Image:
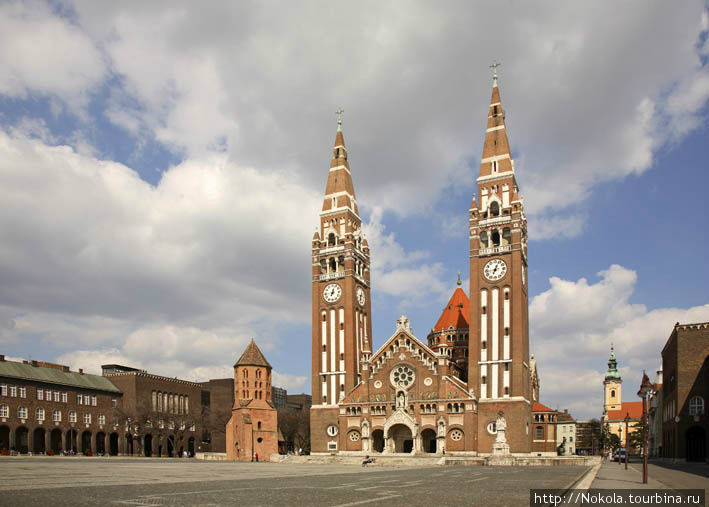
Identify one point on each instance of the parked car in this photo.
(620, 456)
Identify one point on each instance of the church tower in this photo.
(498, 362)
(342, 325)
(612, 386)
(252, 430)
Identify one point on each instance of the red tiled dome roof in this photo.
(455, 313)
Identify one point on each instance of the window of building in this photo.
(72, 416)
(23, 392)
(87, 418)
(57, 416)
(79, 399)
(484, 380)
(93, 401)
(87, 399)
(13, 391)
(64, 397)
(539, 433)
(48, 395)
(40, 394)
(161, 424)
(192, 427)
(101, 419)
(696, 405)
(155, 401)
(22, 412)
(3, 389)
(4, 411)
(56, 396)
(40, 414)
(114, 402)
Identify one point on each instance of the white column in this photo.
(483, 387)
(483, 339)
(332, 347)
(358, 345)
(323, 366)
(494, 374)
(342, 338)
(506, 323)
(495, 318)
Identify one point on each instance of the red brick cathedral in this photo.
(409, 396)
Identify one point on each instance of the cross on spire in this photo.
(339, 118)
(494, 66)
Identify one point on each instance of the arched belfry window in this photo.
(494, 209)
(506, 236)
(484, 239)
(495, 238)
(331, 239)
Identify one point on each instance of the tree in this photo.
(295, 428)
(635, 437)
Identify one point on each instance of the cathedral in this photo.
(471, 377)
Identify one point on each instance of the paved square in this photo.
(61, 481)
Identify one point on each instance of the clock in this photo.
(495, 269)
(332, 293)
(360, 296)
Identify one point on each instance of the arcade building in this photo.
(446, 393)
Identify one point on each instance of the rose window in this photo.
(402, 376)
(456, 435)
(354, 436)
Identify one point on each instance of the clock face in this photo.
(332, 293)
(360, 296)
(495, 269)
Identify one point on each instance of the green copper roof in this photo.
(13, 369)
(612, 372)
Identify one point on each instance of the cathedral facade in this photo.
(449, 393)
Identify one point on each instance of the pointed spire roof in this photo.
(496, 156)
(455, 313)
(252, 356)
(612, 373)
(339, 181)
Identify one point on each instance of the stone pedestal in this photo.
(500, 449)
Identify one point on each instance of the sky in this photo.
(163, 164)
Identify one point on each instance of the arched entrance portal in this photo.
(55, 441)
(129, 444)
(401, 438)
(4, 438)
(378, 440)
(696, 439)
(38, 441)
(428, 438)
(190, 447)
(100, 443)
(71, 441)
(21, 435)
(148, 446)
(86, 442)
(171, 446)
(113, 444)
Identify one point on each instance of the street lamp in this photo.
(627, 449)
(645, 387)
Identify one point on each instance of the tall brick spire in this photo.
(496, 157)
(339, 192)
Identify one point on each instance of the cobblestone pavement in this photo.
(142, 482)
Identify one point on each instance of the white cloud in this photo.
(573, 324)
(41, 52)
(545, 227)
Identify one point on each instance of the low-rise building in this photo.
(685, 391)
(544, 421)
(160, 416)
(566, 434)
(47, 408)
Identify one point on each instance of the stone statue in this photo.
(500, 448)
(501, 428)
(400, 400)
(365, 429)
(441, 429)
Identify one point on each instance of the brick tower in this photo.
(450, 334)
(342, 326)
(498, 367)
(253, 427)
